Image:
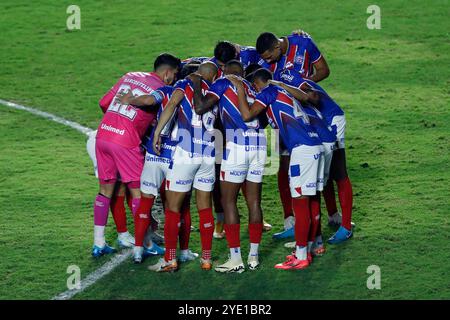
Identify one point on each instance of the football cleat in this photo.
(137, 254)
(188, 256)
(154, 250)
(266, 226)
(292, 263)
(231, 266)
(288, 233)
(219, 233)
(205, 264)
(100, 251)
(340, 236)
(125, 240)
(164, 266)
(253, 262)
(318, 250)
(335, 220)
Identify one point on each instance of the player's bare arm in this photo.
(176, 98)
(202, 103)
(141, 101)
(298, 94)
(321, 70)
(247, 113)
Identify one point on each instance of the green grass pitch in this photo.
(393, 84)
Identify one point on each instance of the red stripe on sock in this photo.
(185, 227)
(314, 206)
(232, 233)
(330, 198)
(171, 229)
(302, 220)
(255, 232)
(206, 231)
(142, 220)
(118, 212)
(345, 193)
(285, 192)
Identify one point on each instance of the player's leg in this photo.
(303, 185)
(285, 196)
(255, 221)
(185, 231)
(107, 172)
(314, 201)
(340, 175)
(253, 183)
(345, 194)
(179, 180)
(233, 172)
(230, 192)
(204, 184)
(124, 238)
(218, 208)
(150, 181)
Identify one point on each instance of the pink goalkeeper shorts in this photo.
(114, 159)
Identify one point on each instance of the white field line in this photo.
(96, 275)
(74, 125)
(118, 258)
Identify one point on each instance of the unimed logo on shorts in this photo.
(184, 182)
(206, 180)
(149, 184)
(238, 173)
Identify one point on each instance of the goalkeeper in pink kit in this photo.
(119, 137)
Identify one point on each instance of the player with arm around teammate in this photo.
(287, 115)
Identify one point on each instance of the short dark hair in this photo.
(235, 63)
(266, 41)
(225, 51)
(262, 74)
(166, 59)
(187, 70)
(250, 70)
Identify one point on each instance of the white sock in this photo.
(300, 253)
(254, 249)
(99, 236)
(310, 244)
(184, 252)
(138, 249)
(319, 240)
(124, 234)
(235, 253)
(289, 222)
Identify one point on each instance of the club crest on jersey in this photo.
(299, 59)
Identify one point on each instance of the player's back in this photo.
(319, 124)
(193, 130)
(327, 106)
(236, 130)
(287, 115)
(126, 124)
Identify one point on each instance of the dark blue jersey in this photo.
(286, 114)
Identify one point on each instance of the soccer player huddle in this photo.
(196, 128)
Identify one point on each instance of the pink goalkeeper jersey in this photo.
(124, 124)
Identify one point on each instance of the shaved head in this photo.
(208, 70)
